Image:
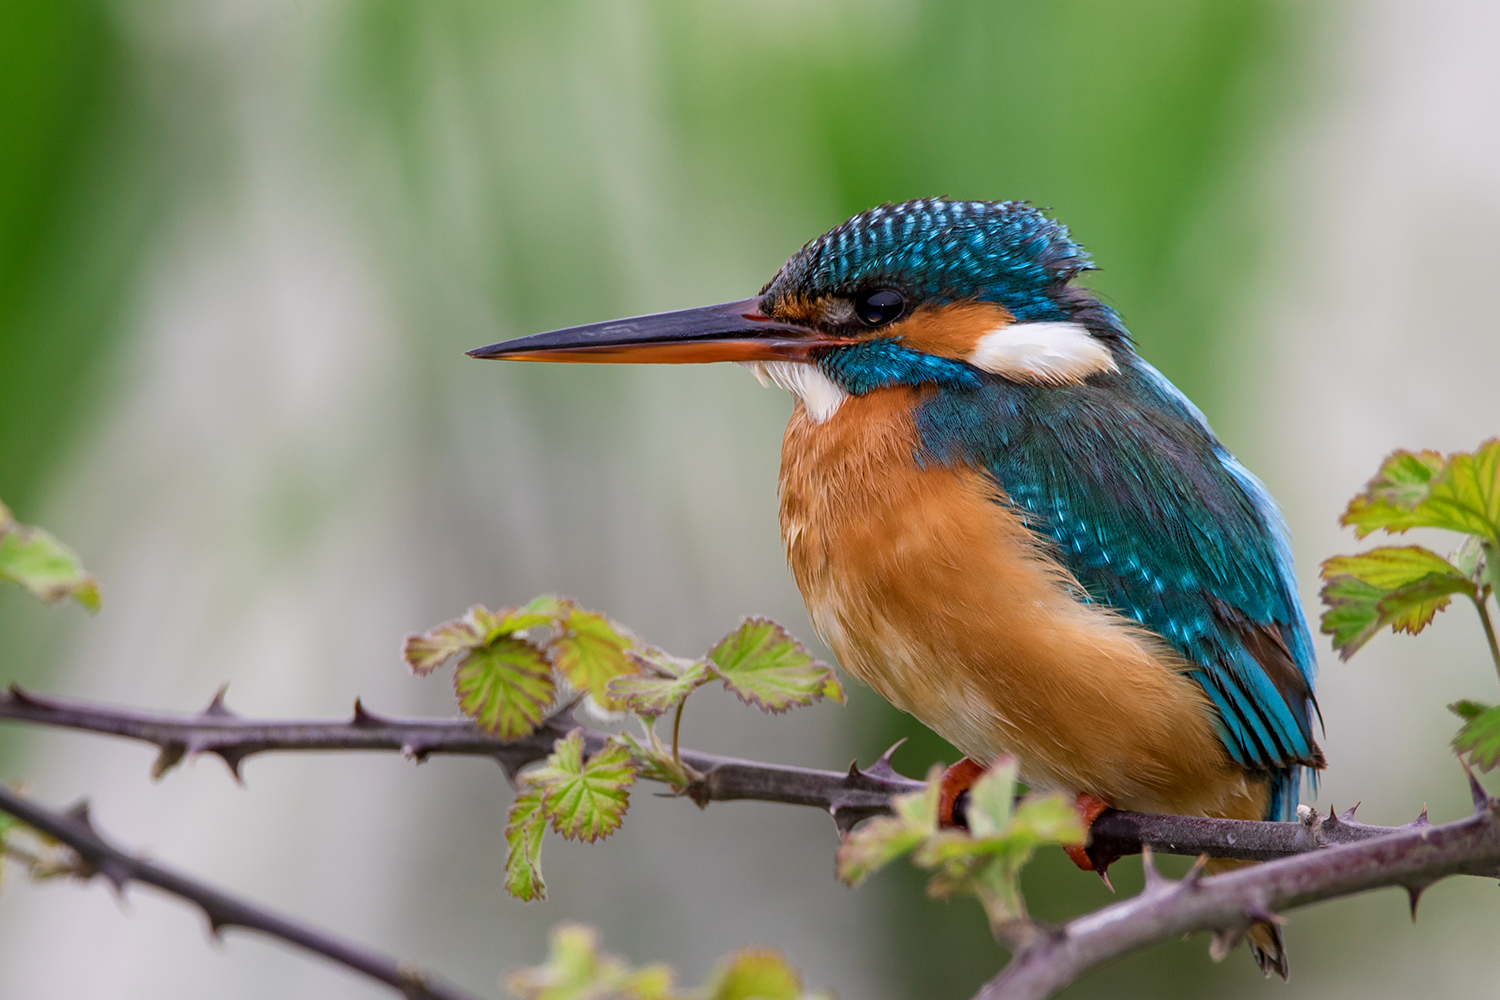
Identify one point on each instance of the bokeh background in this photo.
(243, 244)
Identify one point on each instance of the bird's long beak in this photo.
(732, 331)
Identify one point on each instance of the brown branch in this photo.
(1414, 857)
(98, 856)
(849, 796)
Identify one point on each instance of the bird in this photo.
(1008, 523)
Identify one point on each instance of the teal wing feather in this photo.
(1156, 519)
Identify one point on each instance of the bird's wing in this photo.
(1154, 518)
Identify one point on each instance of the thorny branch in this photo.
(98, 856)
(1298, 871)
(1414, 857)
(849, 796)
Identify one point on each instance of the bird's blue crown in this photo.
(938, 251)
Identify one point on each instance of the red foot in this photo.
(1089, 807)
(955, 782)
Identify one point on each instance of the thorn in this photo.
(1421, 819)
(1349, 815)
(1333, 816)
(1414, 895)
(1259, 912)
(216, 708)
(21, 696)
(216, 925)
(366, 719)
(882, 768)
(415, 751)
(115, 874)
(1476, 790)
(1195, 874)
(1155, 882)
(854, 772)
(232, 758)
(171, 755)
(78, 812)
(509, 765)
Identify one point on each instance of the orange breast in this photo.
(935, 594)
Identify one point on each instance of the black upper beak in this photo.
(731, 331)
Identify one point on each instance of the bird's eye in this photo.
(879, 307)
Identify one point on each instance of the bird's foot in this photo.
(1089, 807)
(953, 793)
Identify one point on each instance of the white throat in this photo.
(820, 397)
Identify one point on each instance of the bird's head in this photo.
(926, 291)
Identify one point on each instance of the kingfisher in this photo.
(1010, 524)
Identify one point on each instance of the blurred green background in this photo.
(243, 245)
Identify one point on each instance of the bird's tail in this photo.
(1264, 937)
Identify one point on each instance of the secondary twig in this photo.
(99, 857)
(1413, 857)
(849, 796)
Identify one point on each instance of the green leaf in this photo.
(1426, 490)
(590, 652)
(659, 684)
(754, 974)
(765, 667)
(577, 970)
(1391, 566)
(1480, 736)
(505, 686)
(1403, 587)
(585, 800)
(523, 841)
(879, 841)
(477, 627)
(1392, 498)
(1468, 710)
(35, 559)
(992, 798)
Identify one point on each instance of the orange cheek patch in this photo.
(950, 331)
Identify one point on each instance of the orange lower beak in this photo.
(732, 331)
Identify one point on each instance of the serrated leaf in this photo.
(425, 652)
(1359, 604)
(585, 800)
(1468, 710)
(754, 974)
(992, 798)
(1460, 492)
(1390, 566)
(1480, 738)
(766, 667)
(590, 652)
(506, 687)
(523, 841)
(659, 684)
(35, 559)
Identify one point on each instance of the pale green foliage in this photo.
(577, 970)
(523, 842)
(1406, 586)
(1480, 735)
(507, 679)
(36, 560)
(986, 860)
(660, 682)
(584, 799)
(765, 667)
(505, 686)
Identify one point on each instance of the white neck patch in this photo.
(1053, 353)
(820, 397)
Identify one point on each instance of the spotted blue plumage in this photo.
(1120, 475)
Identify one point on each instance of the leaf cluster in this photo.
(576, 969)
(512, 664)
(985, 860)
(35, 559)
(1404, 587)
